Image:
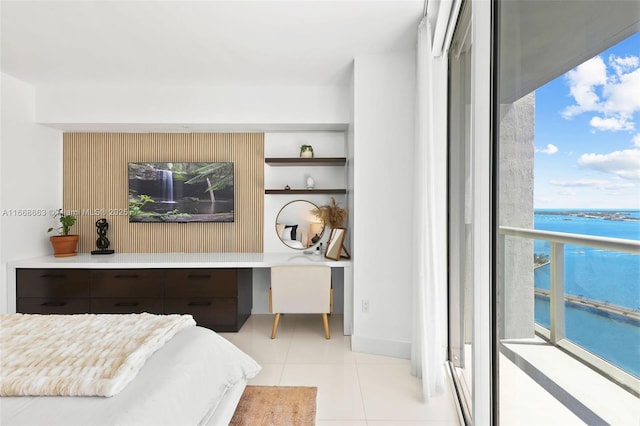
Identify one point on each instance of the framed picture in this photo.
(335, 246)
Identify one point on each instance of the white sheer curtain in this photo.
(429, 336)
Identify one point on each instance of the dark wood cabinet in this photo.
(53, 305)
(53, 291)
(202, 283)
(127, 283)
(219, 299)
(129, 305)
(203, 292)
(59, 283)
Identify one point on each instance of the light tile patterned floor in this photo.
(525, 402)
(354, 389)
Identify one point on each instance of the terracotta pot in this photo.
(64, 245)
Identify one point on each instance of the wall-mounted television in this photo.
(181, 192)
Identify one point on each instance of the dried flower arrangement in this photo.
(332, 214)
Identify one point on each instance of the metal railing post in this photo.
(556, 333)
(556, 297)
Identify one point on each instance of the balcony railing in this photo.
(557, 297)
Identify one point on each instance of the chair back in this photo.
(301, 289)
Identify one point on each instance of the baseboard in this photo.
(370, 345)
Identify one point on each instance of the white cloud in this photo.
(566, 193)
(612, 90)
(623, 94)
(582, 82)
(636, 140)
(620, 65)
(618, 186)
(625, 164)
(592, 183)
(550, 149)
(578, 182)
(611, 123)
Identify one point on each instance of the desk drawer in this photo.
(58, 283)
(127, 283)
(33, 305)
(127, 306)
(189, 283)
(207, 312)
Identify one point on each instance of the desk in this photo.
(185, 260)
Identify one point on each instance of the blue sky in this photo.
(587, 133)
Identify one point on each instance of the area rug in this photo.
(277, 406)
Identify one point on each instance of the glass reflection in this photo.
(297, 226)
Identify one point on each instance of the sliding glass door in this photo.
(460, 213)
(567, 291)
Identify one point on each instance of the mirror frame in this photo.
(335, 245)
(324, 226)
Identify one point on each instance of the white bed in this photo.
(196, 378)
(293, 235)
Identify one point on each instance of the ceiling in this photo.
(542, 39)
(199, 43)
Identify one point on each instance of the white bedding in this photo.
(293, 243)
(181, 384)
(79, 355)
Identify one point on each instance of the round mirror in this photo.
(297, 226)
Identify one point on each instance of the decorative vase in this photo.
(306, 151)
(310, 182)
(64, 245)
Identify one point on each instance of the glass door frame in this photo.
(459, 219)
(485, 355)
(483, 215)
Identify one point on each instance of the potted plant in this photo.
(306, 151)
(64, 244)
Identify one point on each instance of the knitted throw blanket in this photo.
(90, 355)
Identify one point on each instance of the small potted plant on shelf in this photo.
(306, 151)
(64, 244)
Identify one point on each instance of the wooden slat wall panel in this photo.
(95, 178)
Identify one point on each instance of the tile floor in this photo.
(354, 389)
(525, 402)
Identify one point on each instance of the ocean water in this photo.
(610, 277)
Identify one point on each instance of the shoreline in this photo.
(621, 311)
(614, 215)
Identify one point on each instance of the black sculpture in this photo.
(102, 242)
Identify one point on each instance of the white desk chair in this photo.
(301, 289)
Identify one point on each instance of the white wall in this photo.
(516, 178)
(249, 108)
(245, 106)
(379, 108)
(287, 144)
(351, 161)
(30, 179)
(384, 92)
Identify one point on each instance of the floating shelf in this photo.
(305, 191)
(316, 161)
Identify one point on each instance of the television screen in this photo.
(181, 192)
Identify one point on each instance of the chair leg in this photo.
(325, 320)
(275, 326)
